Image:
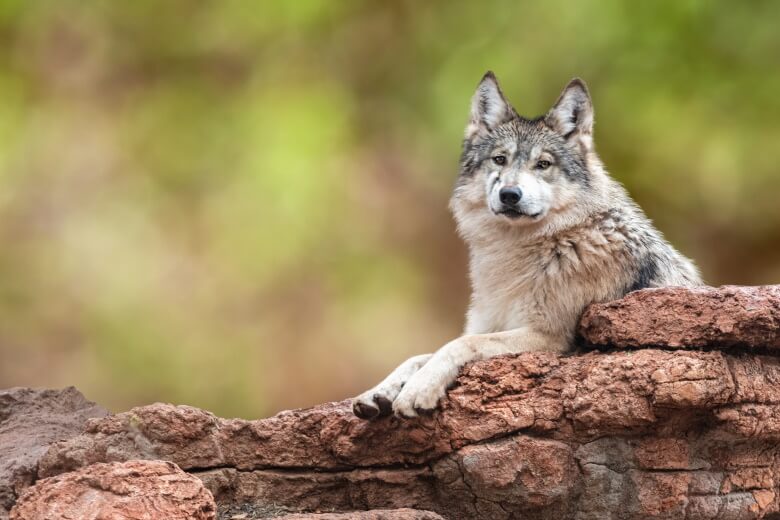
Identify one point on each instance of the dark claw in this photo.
(385, 405)
(365, 411)
(424, 411)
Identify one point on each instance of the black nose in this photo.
(510, 196)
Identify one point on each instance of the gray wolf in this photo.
(548, 232)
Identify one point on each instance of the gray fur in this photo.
(574, 237)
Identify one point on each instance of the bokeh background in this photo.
(242, 205)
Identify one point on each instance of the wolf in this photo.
(548, 232)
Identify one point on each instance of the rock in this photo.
(30, 420)
(379, 514)
(729, 316)
(133, 490)
(626, 434)
(311, 490)
(650, 433)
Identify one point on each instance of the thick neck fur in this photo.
(543, 274)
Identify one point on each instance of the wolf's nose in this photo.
(510, 196)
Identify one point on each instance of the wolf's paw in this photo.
(372, 405)
(418, 397)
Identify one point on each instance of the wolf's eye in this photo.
(499, 160)
(543, 165)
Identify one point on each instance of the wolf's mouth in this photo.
(514, 214)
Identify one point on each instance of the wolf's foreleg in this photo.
(377, 402)
(427, 385)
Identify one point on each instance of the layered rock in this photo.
(386, 514)
(622, 434)
(30, 420)
(538, 435)
(133, 490)
(377, 514)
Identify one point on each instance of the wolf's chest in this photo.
(546, 287)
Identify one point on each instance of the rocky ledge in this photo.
(729, 316)
(624, 433)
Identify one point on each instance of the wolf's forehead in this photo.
(524, 136)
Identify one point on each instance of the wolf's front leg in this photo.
(377, 402)
(424, 389)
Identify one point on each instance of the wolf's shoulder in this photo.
(646, 256)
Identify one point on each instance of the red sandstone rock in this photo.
(133, 490)
(729, 316)
(628, 434)
(383, 514)
(30, 420)
(632, 434)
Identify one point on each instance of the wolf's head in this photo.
(524, 172)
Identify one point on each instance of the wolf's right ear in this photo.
(489, 107)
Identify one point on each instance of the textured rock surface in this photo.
(380, 514)
(676, 317)
(631, 434)
(133, 490)
(248, 512)
(634, 433)
(29, 421)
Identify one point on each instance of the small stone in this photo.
(763, 497)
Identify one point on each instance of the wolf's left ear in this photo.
(489, 107)
(572, 115)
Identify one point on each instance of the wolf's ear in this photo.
(572, 115)
(489, 107)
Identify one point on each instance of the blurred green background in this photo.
(241, 205)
